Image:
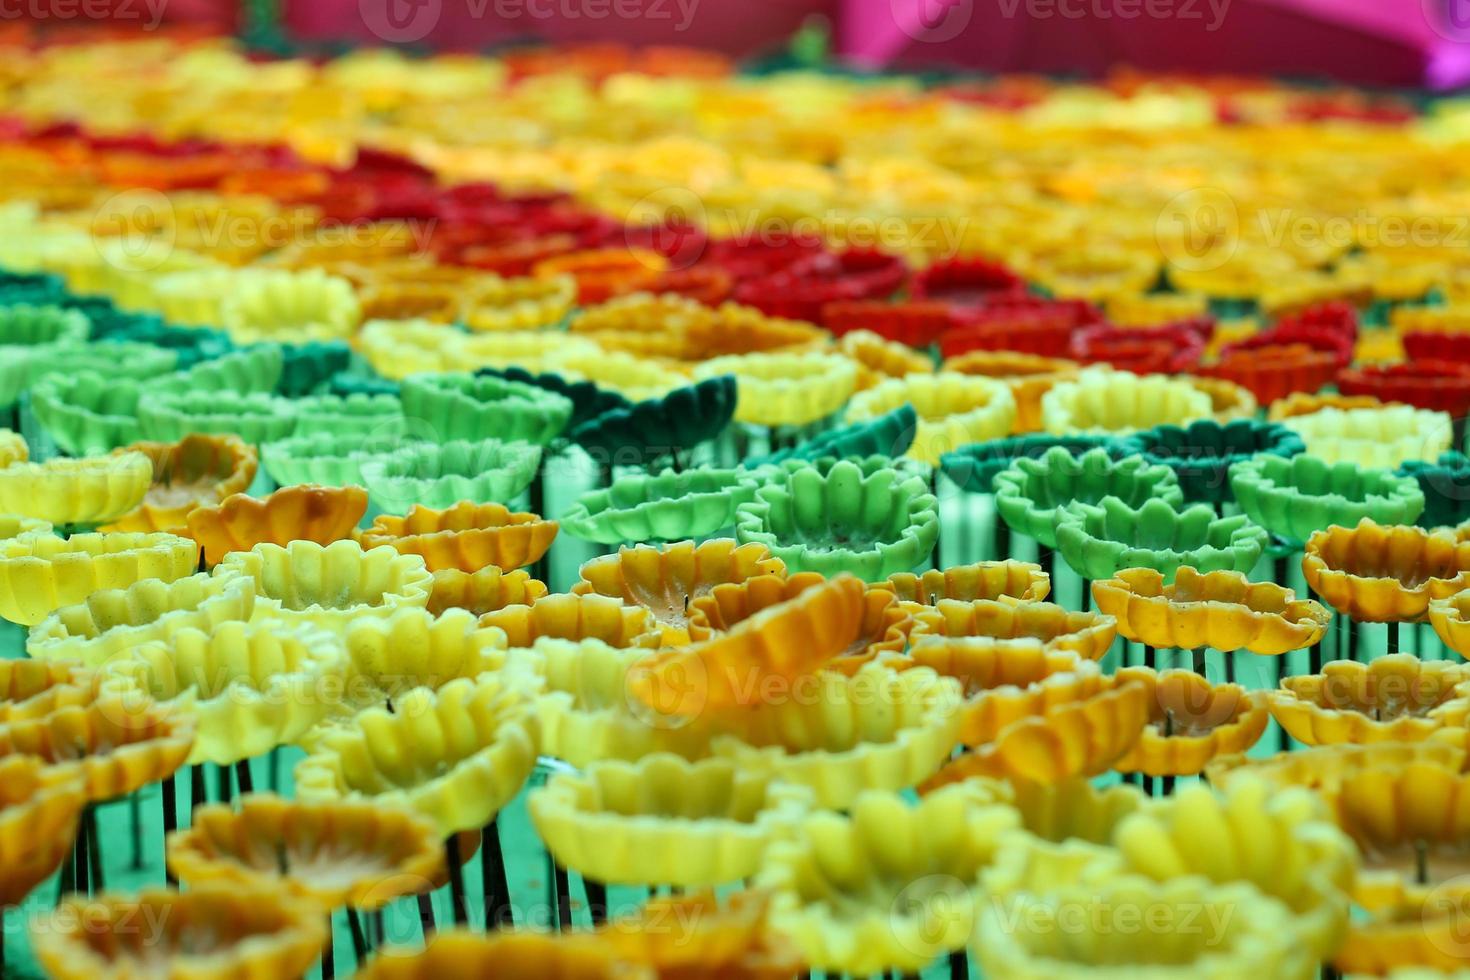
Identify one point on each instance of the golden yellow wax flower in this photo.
(297, 513)
(248, 687)
(782, 642)
(117, 744)
(1191, 721)
(466, 537)
(507, 956)
(662, 819)
(878, 358)
(330, 585)
(13, 448)
(1396, 698)
(785, 389)
(1078, 723)
(484, 591)
(41, 573)
(199, 470)
(333, 853)
(1117, 401)
(1024, 581)
(1282, 841)
(1380, 574)
(954, 410)
(888, 885)
(39, 809)
(413, 648)
(1326, 767)
(211, 930)
(667, 579)
(24, 682)
(75, 491)
(113, 621)
(1029, 376)
(456, 755)
(1450, 617)
(985, 622)
(1222, 609)
(576, 617)
(732, 939)
(840, 734)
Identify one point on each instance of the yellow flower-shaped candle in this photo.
(954, 410)
(1381, 574)
(1396, 698)
(75, 491)
(41, 573)
(330, 585)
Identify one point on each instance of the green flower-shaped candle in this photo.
(330, 459)
(360, 415)
(1100, 540)
(470, 407)
(1294, 498)
(1446, 487)
(889, 434)
(169, 416)
(1030, 493)
(109, 359)
(671, 506)
(1201, 453)
(252, 370)
(660, 427)
(440, 475)
(973, 468)
(86, 413)
(588, 400)
(844, 521)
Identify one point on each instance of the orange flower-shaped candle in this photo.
(783, 641)
(39, 809)
(987, 622)
(23, 682)
(1030, 376)
(576, 617)
(731, 940)
(885, 626)
(208, 931)
(484, 591)
(508, 956)
(1222, 609)
(197, 471)
(1191, 721)
(1450, 618)
(117, 744)
(1023, 581)
(1396, 698)
(667, 580)
(1381, 574)
(299, 513)
(466, 537)
(333, 853)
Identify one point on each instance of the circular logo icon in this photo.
(1198, 230)
(670, 221)
(667, 695)
(1445, 917)
(932, 21)
(135, 230)
(400, 21)
(929, 913)
(1450, 19)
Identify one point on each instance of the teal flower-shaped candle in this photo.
(588, 400)
(86, 413)
(326, 458)
(248, 371)
(469, 407)
(190, 345)
(1294, 498)
(361, 415)
(844, 521)
(348, 383)
(1202, 452)
(973, 468)
(1100, 540)
(169, 416)
(304, 367)
(108, 358)
(440, 475)
(661, 427)
(1030, 493)
(1446, 487)
(671, 506)
(890, 434)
